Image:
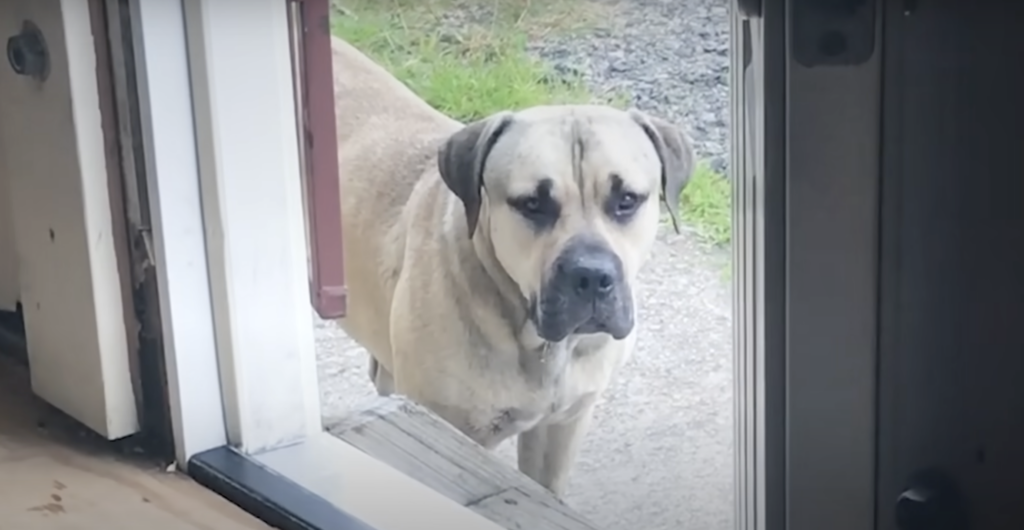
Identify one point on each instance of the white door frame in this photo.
(242, 92)
(806, 161)
(172, 175)
(222, 166)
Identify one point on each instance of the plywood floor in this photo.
(54, 476)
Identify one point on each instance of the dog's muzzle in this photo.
(585, 292)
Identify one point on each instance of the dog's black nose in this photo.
(586, 292)
(591, 277)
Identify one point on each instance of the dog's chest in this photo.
(555, 404)
(550, 388)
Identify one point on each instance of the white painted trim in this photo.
(368, 489)
(56, 170)
(121, 413)
(240, 64)
(172, 173)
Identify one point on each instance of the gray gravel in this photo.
(659, 456)
(670, 56)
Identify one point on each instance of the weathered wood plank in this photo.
(420, 444)
(529, 510)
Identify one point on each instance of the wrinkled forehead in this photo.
(571, 148)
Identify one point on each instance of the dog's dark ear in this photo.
(462, 157)
(676, 154)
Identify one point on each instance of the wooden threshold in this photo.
(421, 445)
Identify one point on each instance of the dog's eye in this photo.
(621, 205)
(540, 210)
(533, 205)
(627, 203)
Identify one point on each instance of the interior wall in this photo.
(9, 290)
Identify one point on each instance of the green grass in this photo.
(468, 74)
(483, 67)
(706, 205)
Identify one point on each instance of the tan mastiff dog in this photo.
(491, 266)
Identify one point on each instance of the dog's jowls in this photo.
(492, 266)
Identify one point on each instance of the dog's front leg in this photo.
(547, 452)
(381, 378)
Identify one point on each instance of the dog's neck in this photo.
(512, 300)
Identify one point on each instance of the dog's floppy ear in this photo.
(676, 154)
(462, 157)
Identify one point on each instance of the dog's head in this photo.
(569, 196)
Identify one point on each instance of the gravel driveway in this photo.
(660, 454)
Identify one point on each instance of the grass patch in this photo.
(467, 67)
(469, 59)
(706, 205)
